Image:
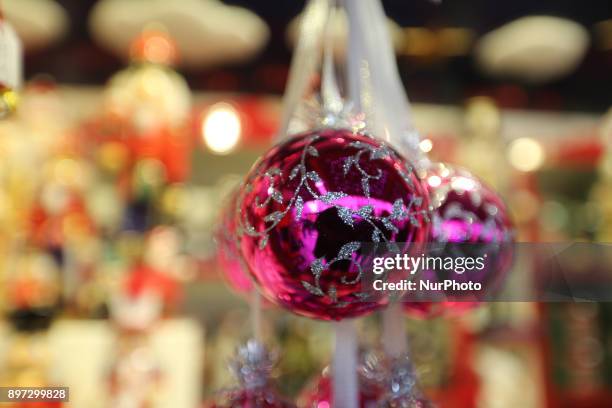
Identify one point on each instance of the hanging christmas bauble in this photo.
(252, 367)
(319, 392)
(228, 253)
(306, 210)
(466, 210)
(469, 221)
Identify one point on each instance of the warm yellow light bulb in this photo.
(221, 128)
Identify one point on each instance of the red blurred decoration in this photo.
(171, 147)
(585, 150)
(463, 385)
(143, 278)
(50, 229)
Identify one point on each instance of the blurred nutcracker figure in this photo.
(141, 139)
(135, 375)
(140, 146)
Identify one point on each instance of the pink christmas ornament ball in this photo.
(307, 208)
(469, 219)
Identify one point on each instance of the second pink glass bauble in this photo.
(308, 206)
(469, 219)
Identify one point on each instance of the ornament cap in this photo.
(253, 364)
(398, 378)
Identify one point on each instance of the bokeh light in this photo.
(221, 128)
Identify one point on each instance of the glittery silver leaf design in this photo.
(398, 209)
(317, 267)
(314, 176)
(347, 250)
(294, 172)
(273, 171)
(346, 215)
(299, 208)
(389, 225)
(365, 211)
(365, 185)
(277, 196)
(380, 153)
(406, 175)
(263, 242)
(274, 217)
(348, 163)
(331, 196)
(313, 289)
(311, 150)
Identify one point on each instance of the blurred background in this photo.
(137, 118)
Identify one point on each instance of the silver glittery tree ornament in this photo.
(397, 378)
(252, 367)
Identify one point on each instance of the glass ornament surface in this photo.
(228, 251)
(470, 220)
(307, 208)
